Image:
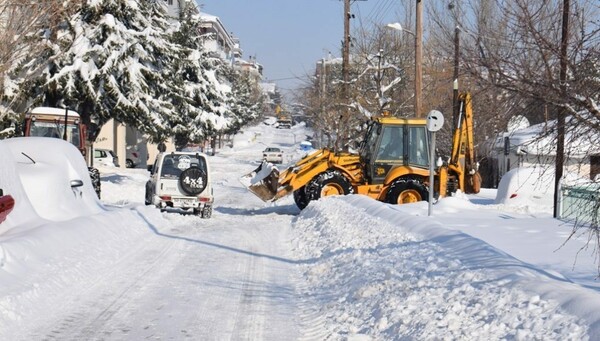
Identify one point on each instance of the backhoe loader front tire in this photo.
(328, 183)
(405, 191)
(300, 198)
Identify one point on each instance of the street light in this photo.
(418, 61)
(397, 26)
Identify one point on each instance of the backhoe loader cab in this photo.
(392, 142)
(392, 166)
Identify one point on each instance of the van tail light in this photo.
(134, 154)
(514, 195)
(165, 197)
(202, 199)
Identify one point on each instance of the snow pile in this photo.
(376, 272)
(41, 268)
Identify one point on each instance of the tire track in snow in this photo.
(94, 307)
(250, 314)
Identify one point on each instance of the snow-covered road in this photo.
(228, 277)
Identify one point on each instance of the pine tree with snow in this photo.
(203, 99)
(246, 100)
(119, 59)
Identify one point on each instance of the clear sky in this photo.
(288, 37)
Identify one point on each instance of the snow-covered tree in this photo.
(246, 100)
(109, 60)
(201, 97)
(122, 59)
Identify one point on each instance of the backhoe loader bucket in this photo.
(263, 181)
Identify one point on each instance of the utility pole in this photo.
(346, 45)
(346, 72)
(418, 58)
(560, 119)
(379, 77)
(455, 82)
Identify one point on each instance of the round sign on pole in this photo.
(435, 120)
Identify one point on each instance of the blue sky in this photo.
(289, 36)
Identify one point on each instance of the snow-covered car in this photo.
(105, 157)
(47, 178)
(273, 154)
(181, 180)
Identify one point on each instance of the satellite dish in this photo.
(517, 122)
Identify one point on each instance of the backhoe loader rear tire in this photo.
(405, 191)
(328, 183)
(300, 198)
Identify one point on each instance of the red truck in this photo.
(63, 124)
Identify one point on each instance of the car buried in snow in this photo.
(181, 180)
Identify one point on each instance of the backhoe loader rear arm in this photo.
(462, 161)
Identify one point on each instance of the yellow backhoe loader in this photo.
(392, 166)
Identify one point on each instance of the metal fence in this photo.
(581, 204)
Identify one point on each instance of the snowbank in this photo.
(378, 274)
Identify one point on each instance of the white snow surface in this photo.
(345, 268)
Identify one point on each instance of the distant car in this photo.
(273, 154)
(181, 180)
(105, 157)
(132, 159)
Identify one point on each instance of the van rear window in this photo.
(174, 164)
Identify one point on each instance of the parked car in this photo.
(273, 154)
(105, 157)
(181, 180)
(132, 159)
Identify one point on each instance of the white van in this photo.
(181, 180)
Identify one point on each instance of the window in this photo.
(173, 165)
(417, 146)
(391, 146)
